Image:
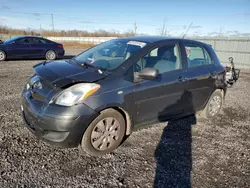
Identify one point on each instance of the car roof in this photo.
(152, 39)
(16, 37)
(19, 37)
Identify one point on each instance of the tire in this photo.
(213, 105)
(2, 55)
(97, 140)
(50, 55)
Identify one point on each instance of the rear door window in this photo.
(38, 41)
(42, 41)
(197, 55)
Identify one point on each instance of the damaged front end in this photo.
(232, 74)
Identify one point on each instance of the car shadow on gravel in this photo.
(174, 151)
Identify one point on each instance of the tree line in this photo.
(64, 33)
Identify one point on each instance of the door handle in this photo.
(182, 79)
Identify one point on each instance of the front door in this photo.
(37, 47)
(162, 97)
(20, 48)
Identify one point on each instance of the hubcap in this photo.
(1, 55)
(105, 134)
(51, 55)
(214, 106)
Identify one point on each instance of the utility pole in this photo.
(52, 19)
(135, 28)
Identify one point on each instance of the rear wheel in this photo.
(213, 106)
(50, 55)
(2, 55)
(104, 134)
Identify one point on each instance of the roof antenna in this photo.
(187, 30)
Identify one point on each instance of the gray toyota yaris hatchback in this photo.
(104, 93)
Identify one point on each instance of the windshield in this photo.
(111, 54)
(10, 40)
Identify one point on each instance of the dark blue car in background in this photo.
(24, 47)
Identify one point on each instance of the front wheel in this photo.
(104, 134)
(2, 55)
(50, 55)
(214, 105)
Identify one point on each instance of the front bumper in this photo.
(61, 126)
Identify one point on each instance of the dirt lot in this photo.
(184, 153)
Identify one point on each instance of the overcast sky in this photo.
(208, 17)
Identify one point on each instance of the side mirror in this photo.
(13, 42)
(147, 73)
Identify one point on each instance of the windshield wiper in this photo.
(87, 65)
(71, 61)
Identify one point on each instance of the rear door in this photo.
(200, 73)
(165, 96)
(38, 48)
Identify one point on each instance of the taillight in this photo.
(60, 46)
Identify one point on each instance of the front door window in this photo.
(164, 59)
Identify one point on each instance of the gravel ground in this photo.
(184, 153)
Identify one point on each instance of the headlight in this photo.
(76, 94)
(27, 86)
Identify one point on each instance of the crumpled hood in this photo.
(62, 73)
